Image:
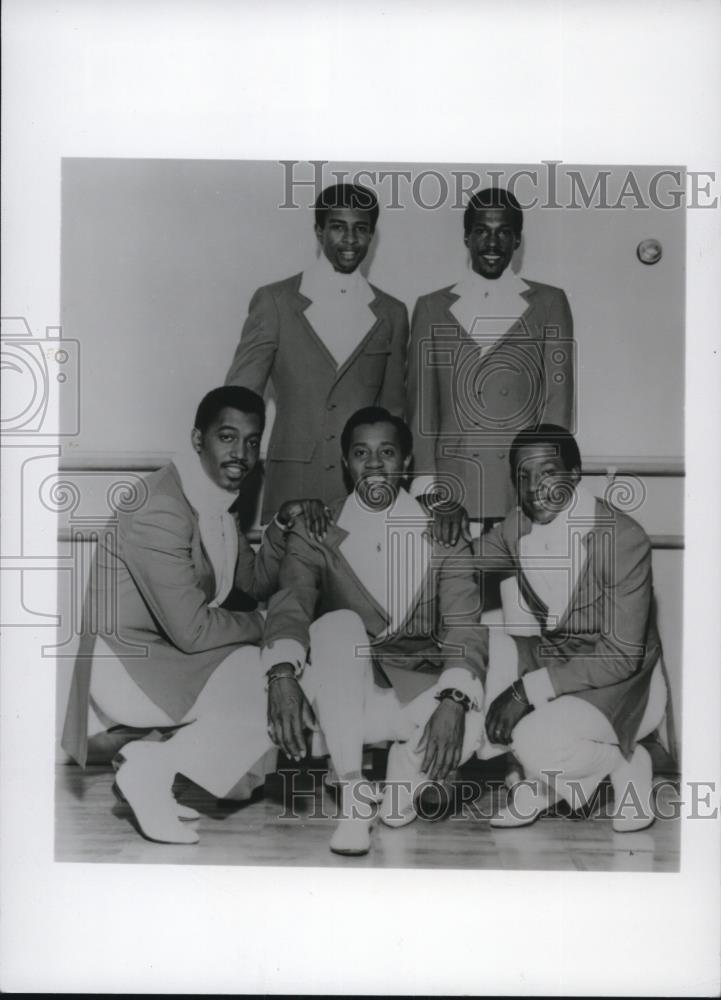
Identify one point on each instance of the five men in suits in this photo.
(330, 343)
(488, 356)
(373, 630)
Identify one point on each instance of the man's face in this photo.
(543, 483)
(376, 464)
(229, 448)
(345, 238)
(491, 241)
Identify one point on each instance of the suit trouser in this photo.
(226, 730)
(351, 709)
(205, 748)
(571, 745)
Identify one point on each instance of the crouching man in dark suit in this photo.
(589, 684)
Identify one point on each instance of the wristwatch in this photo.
(453, 694)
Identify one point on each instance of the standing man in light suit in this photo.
(489, 355)
(330, 342)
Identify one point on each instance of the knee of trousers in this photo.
(334, 640)
(338, 626)
(533, 741)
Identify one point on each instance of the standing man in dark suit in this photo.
(331, 343)
(489, 355)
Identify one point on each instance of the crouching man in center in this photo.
(389, 623)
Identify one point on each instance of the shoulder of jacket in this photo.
(627, 531)
(388, 300)
(548, 291)
(430, 298)
(160, 491)
(279, 288)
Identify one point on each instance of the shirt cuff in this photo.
(538, 686)
(463, 680)
(283, 651)
(422, 485)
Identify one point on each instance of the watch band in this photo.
(453, 694)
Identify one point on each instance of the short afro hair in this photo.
(546, 434)
(376, 415)
(353, 196)
(493, 197)
(235, 396)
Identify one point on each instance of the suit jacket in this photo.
(148, 597)
(606, 644)
(466, 409)
(314, 396)
(442, 628)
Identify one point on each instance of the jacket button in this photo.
(501, 454)
(330, 437)
(329, 467)
(331, 406)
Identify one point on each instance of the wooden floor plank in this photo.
(91, 826)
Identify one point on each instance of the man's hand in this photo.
(442, 740)
(506, 712)
(314, 512)
(450, 521)
(285, 711)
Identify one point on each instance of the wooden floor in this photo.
(91, 826)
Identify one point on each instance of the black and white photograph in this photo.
(382, 559)
(359, 558)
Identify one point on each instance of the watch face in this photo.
(649, 251)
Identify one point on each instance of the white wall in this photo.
(160, 258)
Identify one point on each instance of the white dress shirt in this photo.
(552, 557)
(339, 311)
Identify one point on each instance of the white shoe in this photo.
(351, 837)
(632, 785)
(403, 778)
(186, 813)
(144, 780)
(526, 802)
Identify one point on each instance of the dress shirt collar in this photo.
(320, 281)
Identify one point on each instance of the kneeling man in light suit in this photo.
(589, 684)
(389, 620)
(174, 601)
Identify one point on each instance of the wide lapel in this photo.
(374, 306)
(301, 303)
(537, 606)
(521, 331)
(333, 539)
(587, 589)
